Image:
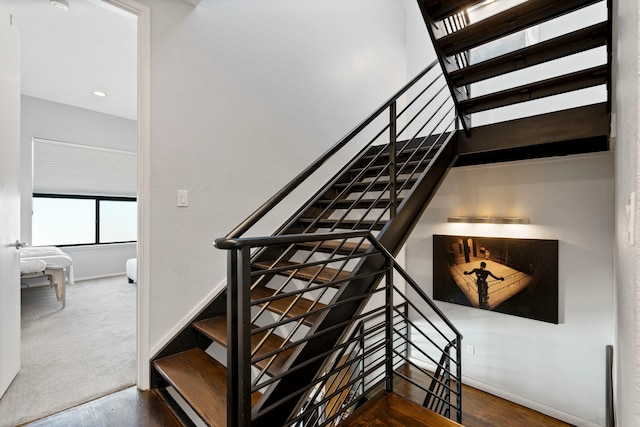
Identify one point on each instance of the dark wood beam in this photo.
(568, 82)
(580, 123)
(508, 22)
(568, 44)
(440, 9)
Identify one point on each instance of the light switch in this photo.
(183, 198)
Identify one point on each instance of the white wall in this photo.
(420, 51)
(556, 369)
(59, 122)
(627, 118)
(244, 95)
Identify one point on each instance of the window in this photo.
(83, 195)
(83, 220)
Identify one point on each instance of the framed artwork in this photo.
(510, 276)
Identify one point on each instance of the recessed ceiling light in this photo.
(60, 5)
(99, 93)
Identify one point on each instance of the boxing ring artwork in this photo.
(504, 275)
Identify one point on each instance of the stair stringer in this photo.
(392, 236)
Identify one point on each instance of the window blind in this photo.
(65, 168)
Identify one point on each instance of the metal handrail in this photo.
(252, 219)
(383, 179)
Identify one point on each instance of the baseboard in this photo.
(511, 397)
(102, 276)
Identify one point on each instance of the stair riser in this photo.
(197, 421)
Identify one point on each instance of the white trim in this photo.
(102, 276)
(100, 246)
(187, 318)
(143, 14)
(523, 401)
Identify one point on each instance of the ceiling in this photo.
(66, 56)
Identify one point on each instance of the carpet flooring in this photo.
(72, 355)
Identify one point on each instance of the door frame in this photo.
(143, 14)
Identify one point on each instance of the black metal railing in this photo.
(278, 289)
(400, 341)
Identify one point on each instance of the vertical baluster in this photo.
(362, 361)
(447, 388)
(459, 379)
(392, 157)
(389, 326)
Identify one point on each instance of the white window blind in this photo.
(64, 168)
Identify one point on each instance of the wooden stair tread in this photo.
(216, 329)
(357, 204)
(337, 246)
(553, 86)
(507, 22)
(379, 167)
(391, 410)
(315, 273)
(345, 224)
(381, 183)
(201, 381)
(548, 50)
(280, 305)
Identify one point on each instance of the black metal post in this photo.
(389, 327)
(239, 339)
(459, 379)
(392, 158)
(362, 357)
(232, 338)
(610, 414)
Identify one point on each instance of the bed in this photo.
(132, 270)
(49, 262)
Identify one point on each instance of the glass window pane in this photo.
(63, 221)
(118, 221)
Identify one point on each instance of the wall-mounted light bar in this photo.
(487, 220)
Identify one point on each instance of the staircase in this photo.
(318, 320)
(496, 69)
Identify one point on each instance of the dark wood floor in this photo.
(479, 409)
(129, 407)
(134, 408)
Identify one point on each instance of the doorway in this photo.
(124, 10)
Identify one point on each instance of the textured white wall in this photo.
(244, 95)
(59, 122)
(420, 51)
(556, 369)
(627, 119)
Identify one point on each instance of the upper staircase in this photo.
(529, 78)
(318, 318)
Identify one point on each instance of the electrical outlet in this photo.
(471, 349)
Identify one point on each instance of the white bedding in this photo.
(32, 266)
(52, 256)
(51, 262)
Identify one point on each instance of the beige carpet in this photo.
(75, 354)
